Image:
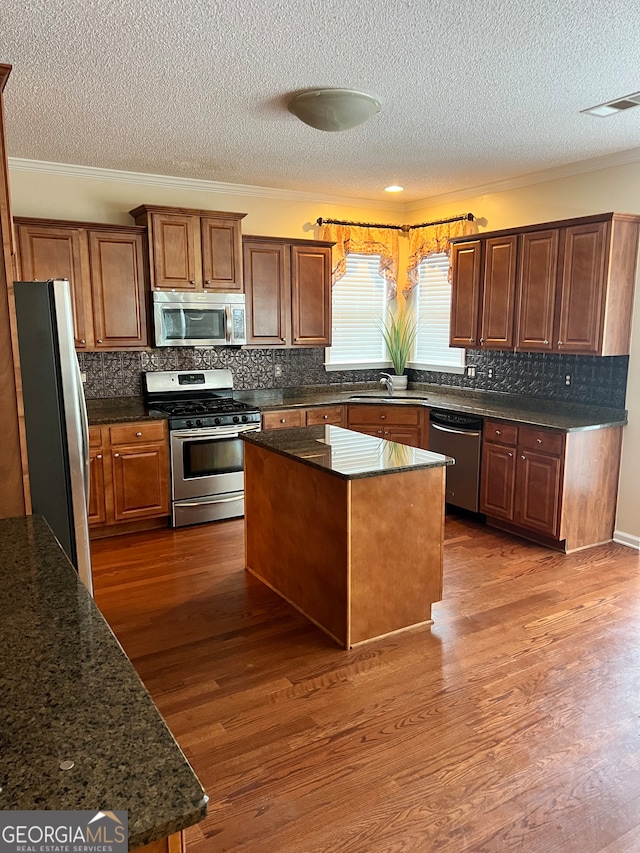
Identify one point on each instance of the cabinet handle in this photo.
(98, 455)
(115, 455)
(523, 457)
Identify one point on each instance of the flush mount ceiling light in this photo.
(333, 109)
(394, 188)
(612, 107)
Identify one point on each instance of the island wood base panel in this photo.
(361, 558)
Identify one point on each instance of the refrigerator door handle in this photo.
(84, 434)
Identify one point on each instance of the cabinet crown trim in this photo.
(184, 211)
(543, 226)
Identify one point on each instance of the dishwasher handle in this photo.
(471, 432)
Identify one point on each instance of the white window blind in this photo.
(432, 303)
(359, 306)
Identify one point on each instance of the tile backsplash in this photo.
(592, 380)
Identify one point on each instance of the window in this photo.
(432, 306)
(359, 306)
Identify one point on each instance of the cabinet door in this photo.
(140, 481)
(537, 289)
(283, 419)
(403, 435)
(583, 287)
(498, 479)
(55, 252)
(96, 511)
(498, 297)
(311, 296)
(465, 294)
(118, 290)
(175, 263)
(221, 254)
(538, 492)
(265, 272)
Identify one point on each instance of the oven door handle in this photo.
(207, 503)
(214, 432)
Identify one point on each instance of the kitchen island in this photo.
(78, 730)
(346, 527)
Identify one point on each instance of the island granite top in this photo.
(69, 693)
(345, 453)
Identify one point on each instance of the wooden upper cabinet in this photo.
(288, 291)
(221, 254)
(118, 289)
(583, 287)
(573, 292)
(537, 290)
(465, 299)
(106, 269)
(193, 249)
(265, 275)
(311, 296)
(50, 251)
(498, 296)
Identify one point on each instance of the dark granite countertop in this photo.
(69, 693)
(555, 414)
(345, 453)
(113, 410)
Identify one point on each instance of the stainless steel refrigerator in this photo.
(55, 416)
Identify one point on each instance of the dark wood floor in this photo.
(513, 724)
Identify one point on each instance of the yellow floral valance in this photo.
(362, 240)
(429, 240)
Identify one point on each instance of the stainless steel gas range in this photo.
(205, 428)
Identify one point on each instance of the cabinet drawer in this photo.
(499, 433)
(542, 440)
(283, 419)
(374, 415)
(137, 433)
(324, 415)
(95, 437)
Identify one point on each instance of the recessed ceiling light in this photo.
(618, 105)
(394, 188)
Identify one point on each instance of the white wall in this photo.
(92, 195)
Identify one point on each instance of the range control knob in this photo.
(217, 420)
(235, 419)
(244, 419)
(189, 423)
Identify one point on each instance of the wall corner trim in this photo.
(626, 539)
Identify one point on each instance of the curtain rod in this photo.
(468, 216)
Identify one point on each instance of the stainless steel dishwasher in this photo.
(459, 436)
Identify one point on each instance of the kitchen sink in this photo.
(378, 396)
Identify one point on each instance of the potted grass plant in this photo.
(399, 334)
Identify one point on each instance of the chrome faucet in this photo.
(387, 381)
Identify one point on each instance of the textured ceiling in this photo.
(472, 92)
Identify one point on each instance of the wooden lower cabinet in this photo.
(129, 476)
(404, 424)
(559, 488)
(299, 417)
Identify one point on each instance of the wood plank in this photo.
(509, 724)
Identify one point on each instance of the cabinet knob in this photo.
(209, 281)
(382, 417)
(83, 341)
(193, 281)
(98, 342)
(523, 457)
(138, 434)
(539, 440)
(98, 455)
(559, 343)
(498, 432)
(510, 454)
(283, 420)
(546, 342)
(325, 417)
(117, 454)
(481, 340)
(471, 340)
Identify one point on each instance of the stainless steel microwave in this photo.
(183, 319)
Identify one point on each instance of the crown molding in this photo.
(595, 164)
(72, 171)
